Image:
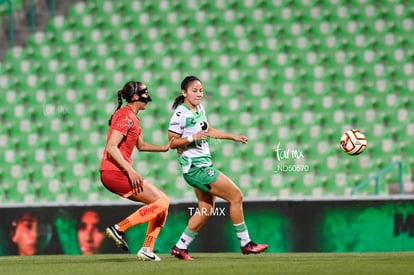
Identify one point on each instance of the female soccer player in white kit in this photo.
(190, 129)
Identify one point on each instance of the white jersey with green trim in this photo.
(185, 122)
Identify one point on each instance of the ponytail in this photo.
(119, 105)
(178, 101)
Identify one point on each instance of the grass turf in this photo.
(214, 263)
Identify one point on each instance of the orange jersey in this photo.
(126, 122)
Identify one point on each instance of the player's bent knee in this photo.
(237, 197)
(165, 198)
(163, 203)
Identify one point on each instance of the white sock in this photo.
(242, 233)
(186, 238)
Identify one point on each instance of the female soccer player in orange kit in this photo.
(119, 176)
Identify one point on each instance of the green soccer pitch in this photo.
(214, 263)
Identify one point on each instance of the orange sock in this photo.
(144, 214)
(154, 228)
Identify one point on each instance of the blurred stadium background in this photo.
(289, 73)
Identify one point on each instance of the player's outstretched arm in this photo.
(148, 147)
(215, 133)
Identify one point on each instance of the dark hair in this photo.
(127, 92)
(184, 85)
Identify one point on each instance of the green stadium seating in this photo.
(294, 73)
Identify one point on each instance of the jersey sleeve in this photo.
(177, 123)
(122, 124)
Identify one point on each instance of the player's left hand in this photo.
(241, 139)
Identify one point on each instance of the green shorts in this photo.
(201, 177)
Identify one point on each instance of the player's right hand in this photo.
(168, 145)
(137, 182)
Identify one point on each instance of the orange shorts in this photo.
(117, 182)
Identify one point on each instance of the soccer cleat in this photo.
(252, 247)
(180, 253)
(118, 237)
(145, 254)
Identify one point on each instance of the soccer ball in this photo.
(353, 142)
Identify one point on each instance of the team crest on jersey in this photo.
(130, 122)
(210, 172)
